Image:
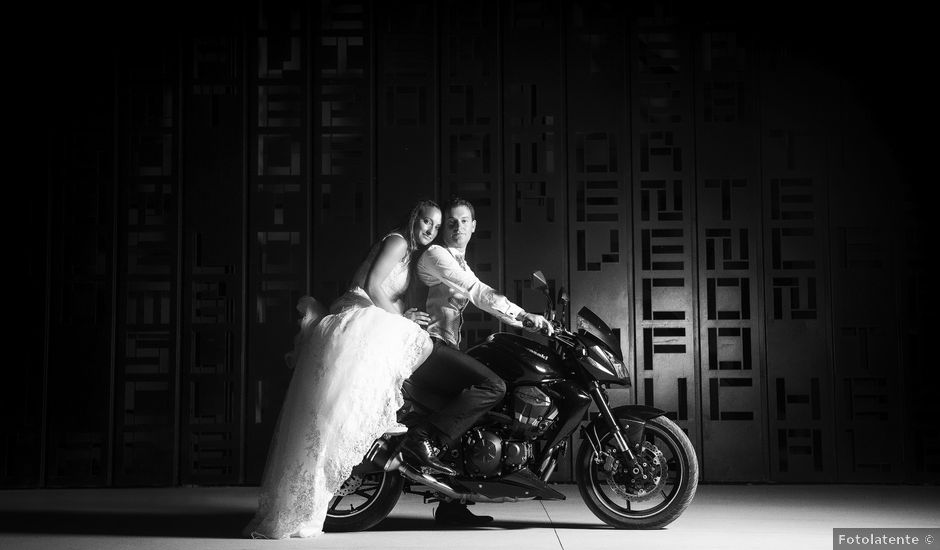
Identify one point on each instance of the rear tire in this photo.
(603, 490)
(371, 502)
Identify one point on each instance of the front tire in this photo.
(367, 500)
(606, 488)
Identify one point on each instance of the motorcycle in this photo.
(635, 467)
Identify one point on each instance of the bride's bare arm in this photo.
(392, 251)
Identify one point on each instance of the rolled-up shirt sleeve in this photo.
(438, 265)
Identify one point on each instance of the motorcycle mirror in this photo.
(563, 303)
(539, 281)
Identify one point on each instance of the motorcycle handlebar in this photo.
(558, 330)
(544, 332)
(561, 333)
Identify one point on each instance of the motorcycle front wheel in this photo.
(363, 501)
(619, 499)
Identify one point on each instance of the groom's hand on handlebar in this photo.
(537, 323)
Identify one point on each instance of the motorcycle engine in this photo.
(486, 453)
(533, 412)
(482, 452)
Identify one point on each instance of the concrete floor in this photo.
(721, 516)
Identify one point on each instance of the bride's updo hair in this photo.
(408, 229)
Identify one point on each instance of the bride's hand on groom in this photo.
(418, 316)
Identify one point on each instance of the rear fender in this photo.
(381, 456)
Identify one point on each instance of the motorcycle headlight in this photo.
(617, 364)
(606, 362)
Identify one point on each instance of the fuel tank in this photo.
(518, 360)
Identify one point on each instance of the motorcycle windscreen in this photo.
(589, 322)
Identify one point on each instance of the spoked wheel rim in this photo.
(357, 494)
(652, 504)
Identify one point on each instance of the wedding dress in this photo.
(345, 391)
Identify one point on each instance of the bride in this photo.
(346, 386)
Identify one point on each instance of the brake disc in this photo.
(643, 486)
(350, 486)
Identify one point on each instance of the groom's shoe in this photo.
(418, 452)
(454, 513)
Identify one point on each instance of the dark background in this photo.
(741, 191)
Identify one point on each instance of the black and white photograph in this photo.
(471, 274)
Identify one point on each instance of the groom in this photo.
(474, 388)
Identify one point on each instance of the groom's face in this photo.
(459, 225)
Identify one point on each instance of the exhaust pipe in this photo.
(434, 484)
(447, 490)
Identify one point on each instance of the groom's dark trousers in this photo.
(469, 387)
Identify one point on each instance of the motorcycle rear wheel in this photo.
(371, 501)
(604, 493)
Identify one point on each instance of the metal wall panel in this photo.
(533, 149)
(470, 138)
(146, 366)
(797, 120)
(598, 205)
(23, 407)
(867, 374)
(342, 76)
(664, 217)
(915, 274)
(213, 236)
(534, 162)
(728, 207)
(278, 186)
(406, 115)
(78, 377)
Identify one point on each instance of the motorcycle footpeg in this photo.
(422, 469)
(396, 430)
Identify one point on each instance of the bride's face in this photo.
(427, 225)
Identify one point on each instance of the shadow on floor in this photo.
(422, 524)
(227, 525)
(224, 525)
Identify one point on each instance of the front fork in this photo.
(620, 440)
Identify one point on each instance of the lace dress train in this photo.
(344, 393)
